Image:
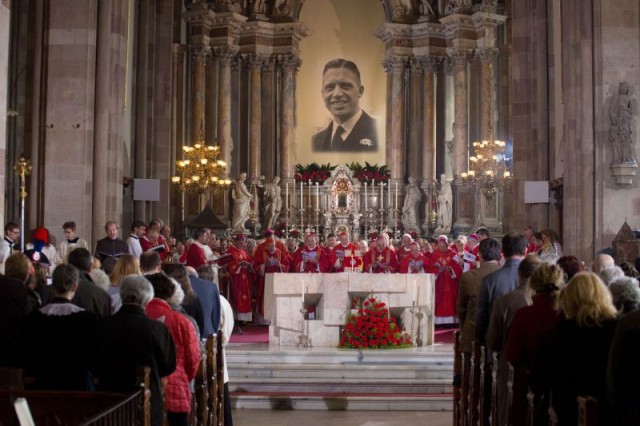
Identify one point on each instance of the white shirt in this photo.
(135, 249)
(226, 325)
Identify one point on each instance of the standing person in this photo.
(88, 296)
(109, 248)
(126, 265)
(447, 280)
(551, 248)
(240, 270)
(351, 129)
(133, 242)
(415, 262)
(199, 252)
(178, 392)
(503, 281)
(270, 260)
(405, 247)
(40, 249)
(310, 257)
(130, 340)
(72, 241)
(380, 259)
(343, 256)
(8, 243)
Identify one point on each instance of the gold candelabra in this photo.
(22, 168)
(201, 169)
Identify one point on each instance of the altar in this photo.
(329, 298)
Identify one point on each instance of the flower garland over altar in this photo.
(319, 173)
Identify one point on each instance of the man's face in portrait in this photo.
(341, 91)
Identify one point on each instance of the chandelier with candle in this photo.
(488, 171)
(201, 169)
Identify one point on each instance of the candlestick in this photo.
(317, 196)
(381, 195)
(286, 197)
(415, 289)
(365, 196)
(301, 196)
(304, 290)
(389, 195)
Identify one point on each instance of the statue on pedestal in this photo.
(411, 208)
(445, 211)
(621, 112)
(241, 204)
(272, 203)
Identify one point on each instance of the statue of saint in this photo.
(241, 204)
(411, 208)
(445, 199)
(272, 203)
(621, 112)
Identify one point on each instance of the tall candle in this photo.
(317, 196)
(303, 291)
(301, 196)
(286, 195)
(415, 290)
(381, 195)
(365, 195)
(389, 195)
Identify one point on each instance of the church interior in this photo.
(496, 114)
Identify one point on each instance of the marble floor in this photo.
(337, 418)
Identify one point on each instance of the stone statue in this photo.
(281, 8)
(621, 112)
(445, 199)
(426, 8)
(259, 7)
(411, 208)
(241, 204)
(272, 203)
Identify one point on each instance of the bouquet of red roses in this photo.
(371, 328)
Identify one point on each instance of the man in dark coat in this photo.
(209, 296)
(129, 340)
(89, 296)
(351, 130)
(13, 305)
(110, 247)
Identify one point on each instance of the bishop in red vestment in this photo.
(240, 270)
(269, 260)
(345, 255)
(380, 259)
(405, 248)
(447, 278)
(310, 257)
(415, 262)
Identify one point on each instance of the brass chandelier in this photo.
(201, 170)
(488, 171)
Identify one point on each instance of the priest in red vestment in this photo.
(415, 262)
(240, 272)
(199, 253)
(268, 233)
(405, 247)
(310, 257)
(380, 259)
(447, 278)
(269, 260)
(471, 253)
(345, 256)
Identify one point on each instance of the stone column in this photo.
(416, 137)
(269, 118)
(224, 57)
(430, 65)
(290, 65)
(199, 56)
(395, 67)
(460, 58)
(177, 124)
(255, 64)
(5, 27)
(487, 58)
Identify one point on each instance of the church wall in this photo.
(5, 9)
(618, 43)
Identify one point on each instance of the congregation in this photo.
(567, 329)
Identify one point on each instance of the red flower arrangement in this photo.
(370, 172)
(313, 172)
(371, 328)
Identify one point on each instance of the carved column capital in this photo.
(459, 56)
(432, 64)
(417, 67)
(200, 54)
(395, 63)
(289, 63)
(224, 54)
(254, 61)
(486, 55)
(269, 64)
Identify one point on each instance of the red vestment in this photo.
(147, 245)
(346, 254)
(279, 245)
(419, 264)
(265, 263)
(402, 253)
(240, 277)
(374, 261)
(196, 256)
(302, 260)
(447, 289)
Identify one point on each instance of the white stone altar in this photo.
(331, 294)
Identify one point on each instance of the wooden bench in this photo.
(457, 374)
(80, 408)
(215, 378)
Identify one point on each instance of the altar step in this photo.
(416, 379)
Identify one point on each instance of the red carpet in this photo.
(260, 334)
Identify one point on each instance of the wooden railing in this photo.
(476, 395)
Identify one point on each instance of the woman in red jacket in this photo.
(177, 394)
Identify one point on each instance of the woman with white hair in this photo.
(626, 294)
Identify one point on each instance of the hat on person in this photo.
(239, 237)
(443, 239)
(342, 234)
(41, 234)
(268, 232)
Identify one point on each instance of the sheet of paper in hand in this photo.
(309, 255)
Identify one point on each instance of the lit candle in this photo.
(304, 290)
(317, 196)
(381, 195)
(365, 195)
(415, 290)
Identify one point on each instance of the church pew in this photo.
(80, 408)
(587, 411)
(493, 419)
(531, 408)
(484, 394)
(474, 385)
(200, 403)
(212, 380)
(553, 417)
(220, 378)
(457, 375)
(465, 367)
(510, 381)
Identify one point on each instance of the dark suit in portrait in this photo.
(363, 138)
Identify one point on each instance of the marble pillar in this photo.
(417, 118)
(224, 56)
(269, 116)
(199, 57)
(176, 211)
(290, 65)
(460, 58)
(487, 89)
(5, 27)
(255, 63)
(395, 68)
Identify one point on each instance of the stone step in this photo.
(377, 402)
(373, 387)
